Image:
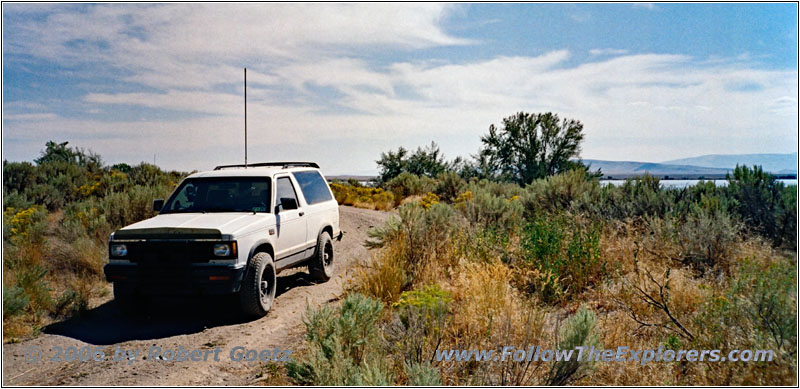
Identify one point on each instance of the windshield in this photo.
(220, 194)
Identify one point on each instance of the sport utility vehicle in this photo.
(230, 230)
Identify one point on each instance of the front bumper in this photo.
(194, 279)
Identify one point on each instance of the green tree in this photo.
(425, 161)
(762, 205)
(531, 146)
(59, 152)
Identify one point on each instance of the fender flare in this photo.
(260, 243)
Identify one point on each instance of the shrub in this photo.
(638, 197)
(768, 296)
(14, 300)
(759, 201)
(579, 330)
(423, 374)
(407, 185)
(449, 186)
(484, 210)
(343, 346)
(559, 191)
(758, 310)
(386, 277)
(418, 325)
(18, 176)
(429, 200)
(362, 197)
(30, 278)
(565, 254)
(422, 234)
(787, 218)
(430, 297)
(706, 239)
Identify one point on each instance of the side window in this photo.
(313, 186)
(284, 189)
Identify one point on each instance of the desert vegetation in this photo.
(519, 246)
(58, 213)
(535, 251)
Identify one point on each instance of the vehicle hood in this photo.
(233, 223)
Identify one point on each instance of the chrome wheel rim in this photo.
(327, 255)
(266, 286)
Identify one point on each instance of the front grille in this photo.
(170, 253)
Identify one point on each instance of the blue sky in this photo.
(339, 83)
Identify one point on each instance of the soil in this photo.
(187, 324)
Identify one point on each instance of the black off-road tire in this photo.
(258, 286)
(321, 265)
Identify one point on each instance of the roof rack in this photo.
(283, 165)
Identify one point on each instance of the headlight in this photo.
(118, 250)
(222, 250)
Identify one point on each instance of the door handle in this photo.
(302, 213)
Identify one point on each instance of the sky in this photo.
(340, 83)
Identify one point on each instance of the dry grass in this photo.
(70, 276)
(385, 276)
(487, 310)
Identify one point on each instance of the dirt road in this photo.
(194, 325)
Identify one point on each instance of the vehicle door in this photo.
(290, 223)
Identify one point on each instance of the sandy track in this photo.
(199, 324)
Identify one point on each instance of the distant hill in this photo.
(775, 163)
(625, 169)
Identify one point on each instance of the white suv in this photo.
(230, 230)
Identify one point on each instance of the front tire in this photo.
(258, 286)
(321, 265)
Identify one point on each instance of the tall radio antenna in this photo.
(245, 117)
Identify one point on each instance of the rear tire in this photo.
(258, 286)
(321, 265)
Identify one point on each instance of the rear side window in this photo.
(314, 188)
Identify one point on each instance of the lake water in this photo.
(685, 183)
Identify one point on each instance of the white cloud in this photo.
(30, 116)
(608, 51)
(314, 93)
(648, 6)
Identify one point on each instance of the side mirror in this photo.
(288, 203)
(158, 204)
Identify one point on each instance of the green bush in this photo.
(559, 191)
(14, 300)
(565, 252)
(423, 374)
(484, 209)
(761, 203)
(706, 239)
(408, 184)
(769, 297)
(30, 278)
(579, 330)
(757, 310)
(431, 297)
(418, 324)
(787, 218)
(449, 186)
(421, 233)
(344, 346)
(638, 197)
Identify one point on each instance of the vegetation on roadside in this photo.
(517, 247)
(480, 257)
(57, 215)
